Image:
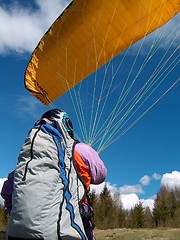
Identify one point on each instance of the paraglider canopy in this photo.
(86, 36)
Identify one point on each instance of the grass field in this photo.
(138, 234)
(133, 234)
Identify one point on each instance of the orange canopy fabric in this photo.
(88, 34)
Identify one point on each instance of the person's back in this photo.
(48, 189)
(45, 199)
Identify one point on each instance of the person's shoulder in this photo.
(80, 146)
(11, 175)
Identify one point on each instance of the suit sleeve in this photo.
(7, 191)
(96, 167)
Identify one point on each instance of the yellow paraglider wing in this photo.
(86, 36)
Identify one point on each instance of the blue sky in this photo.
(145, 157)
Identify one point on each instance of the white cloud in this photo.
(1, 184)
(129, 200)
(145, 180)
(128, 189)
(98, 188)
(21, 28)
(156, 176)
(148, 203)
(171, 180)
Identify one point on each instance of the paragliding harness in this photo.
(70, 223)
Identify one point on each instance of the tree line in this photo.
(109, 212)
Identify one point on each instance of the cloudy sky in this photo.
(138, 164)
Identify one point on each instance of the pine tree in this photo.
(118, 211)
(177, 210)
(165, 207)
(130, 216)
(106, 208)
(148, 218)
(139, 217)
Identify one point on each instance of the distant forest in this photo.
(109, 212)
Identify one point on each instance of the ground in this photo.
(138, 234)
(133, 234)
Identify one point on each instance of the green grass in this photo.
(138, 234)
(133, 234)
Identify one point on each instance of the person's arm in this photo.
(7, 191)
(96, 167)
